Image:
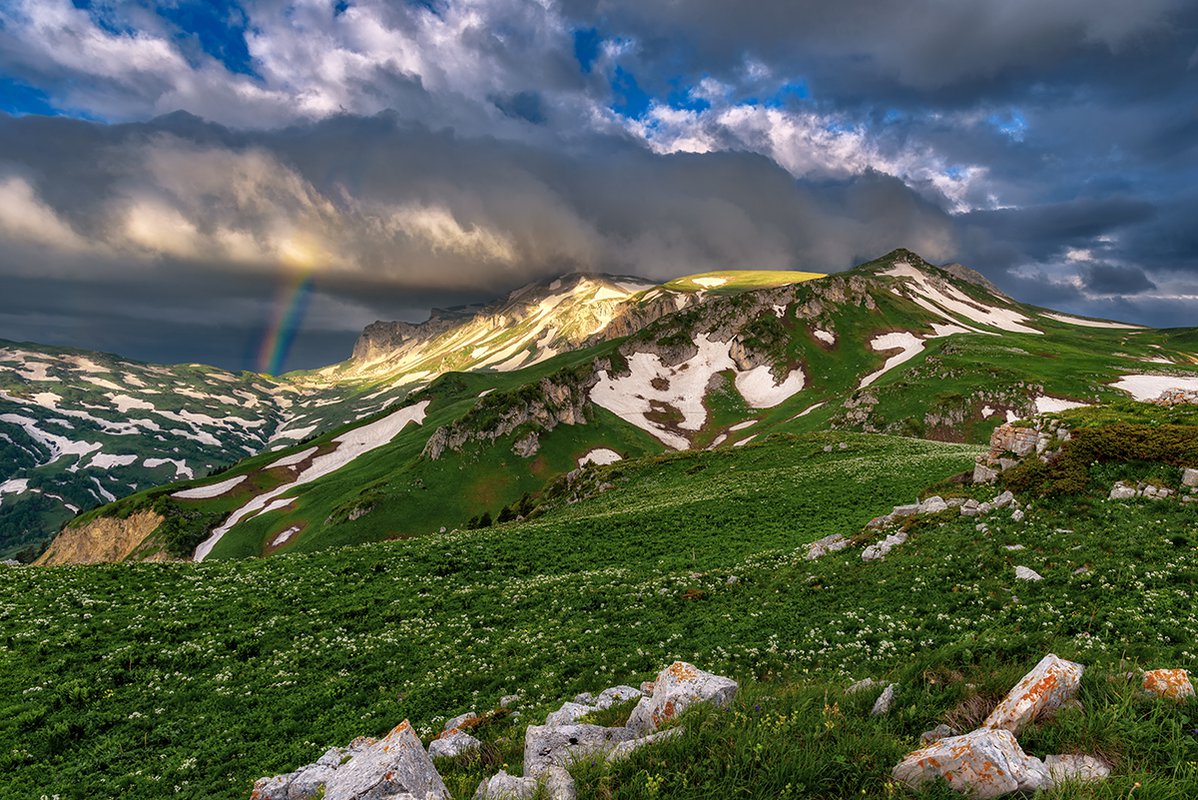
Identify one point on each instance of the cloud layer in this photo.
(413, 154)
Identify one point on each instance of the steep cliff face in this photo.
(555, 400)
(102, 540)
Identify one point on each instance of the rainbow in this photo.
(288, 317)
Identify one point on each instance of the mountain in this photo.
(474, 414)
(78, 429)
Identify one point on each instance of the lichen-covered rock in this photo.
(1173, 684)
(548, 746)
(392, 768)
(678, 686)
(452, 743)
(982, 764)
(1051, 684)
(941, 731)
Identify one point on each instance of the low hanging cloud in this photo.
(392, 218)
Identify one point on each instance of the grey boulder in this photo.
(677, 687)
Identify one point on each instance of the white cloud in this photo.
(24, 216)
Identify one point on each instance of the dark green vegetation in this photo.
(132, 680)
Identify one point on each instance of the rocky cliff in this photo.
(102, 540)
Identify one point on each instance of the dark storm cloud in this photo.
(183, 223)
(1112, 279)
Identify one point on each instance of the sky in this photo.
(177, 176)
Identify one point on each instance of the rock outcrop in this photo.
(392, 768)
(101, 540)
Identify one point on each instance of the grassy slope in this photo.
(206, 676)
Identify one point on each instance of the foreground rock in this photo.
(556, 781)
(1172, 684)
(677, 687)
(984, 763)
(452, 743)
(548, 746)
(392, 768)
(1050, 685)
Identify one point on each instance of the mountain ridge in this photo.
(895, 346)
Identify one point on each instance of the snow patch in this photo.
(181, 468)
(601, 456)
(1090, 323)
(709, 282)
(740, 426)
(1051, 405)
(293, 459)
(212, 490)
(908, 344)
(988, 412)
(108, 461)
(1149, 387)
(953, 300)
(759, 390)
(827, 337)
(284, 536)
(14, 486)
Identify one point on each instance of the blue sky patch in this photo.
(628, 98)
(219, 26)
(586, 48)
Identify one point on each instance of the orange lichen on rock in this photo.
(1173, 684)
(682, 672)
(1051, 684)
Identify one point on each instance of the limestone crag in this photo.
(560, 399)
(102, 540)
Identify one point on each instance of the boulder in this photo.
(506, 787)
(860, 686)
(829, 544)
(941, 731)
(1051, 684)
(1017, 515)
(884, 702)
(452, 743)
(457, 721)
(1027, 574)
(584, 699)
(1173, 684)
(568, 714)
(1076, 769)
(625, 749)
(1003, 500)
(391, 768)
(1121, 491)
(969, 508)
(984, 474)
(933, 505)
(1189, 477)
(557, 782)
(509, 700)
(878, 551)
(678, 686)
(546, 746)
(616, 695)
(982, 764)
